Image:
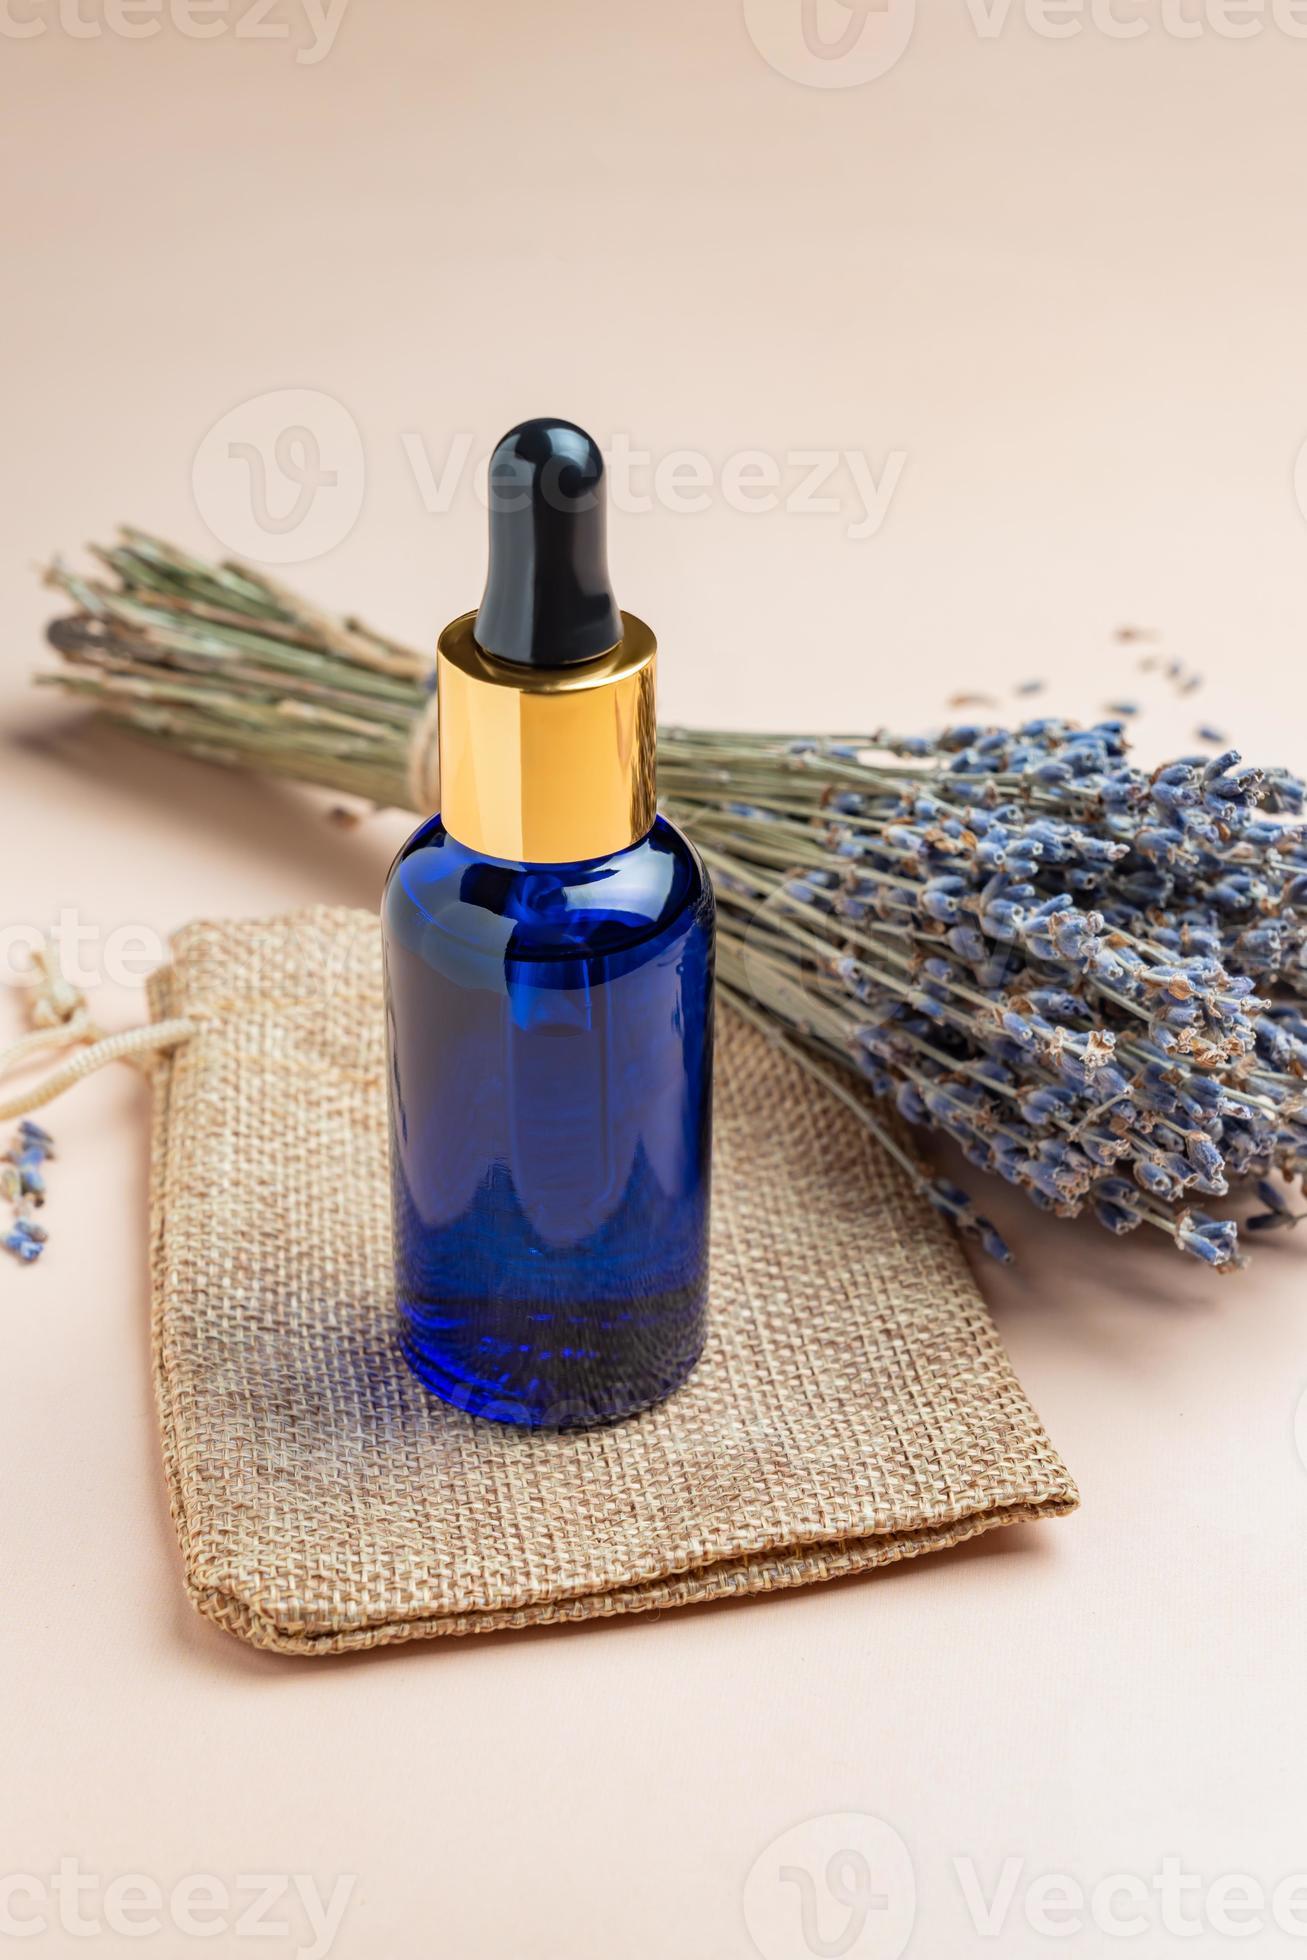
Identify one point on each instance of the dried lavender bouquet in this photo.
(1091, 977)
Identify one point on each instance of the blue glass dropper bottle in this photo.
(549, 967)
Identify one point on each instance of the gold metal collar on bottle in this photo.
(547, 766)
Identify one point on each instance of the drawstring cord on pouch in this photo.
(62, 1020)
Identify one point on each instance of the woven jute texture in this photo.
(854, 1405)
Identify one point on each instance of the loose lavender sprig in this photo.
(1090, 976)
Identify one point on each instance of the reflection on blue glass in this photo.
(551, 1076)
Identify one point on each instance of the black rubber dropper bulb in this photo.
(548, 602)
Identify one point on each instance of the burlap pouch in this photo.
(854, 1405)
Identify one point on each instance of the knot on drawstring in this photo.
(55, 1002)
(61, 1019)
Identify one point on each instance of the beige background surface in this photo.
(1063, 279)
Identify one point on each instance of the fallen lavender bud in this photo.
(22, 1186)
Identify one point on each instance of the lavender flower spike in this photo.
(1091, 979)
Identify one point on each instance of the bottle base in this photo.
(554, 1406)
